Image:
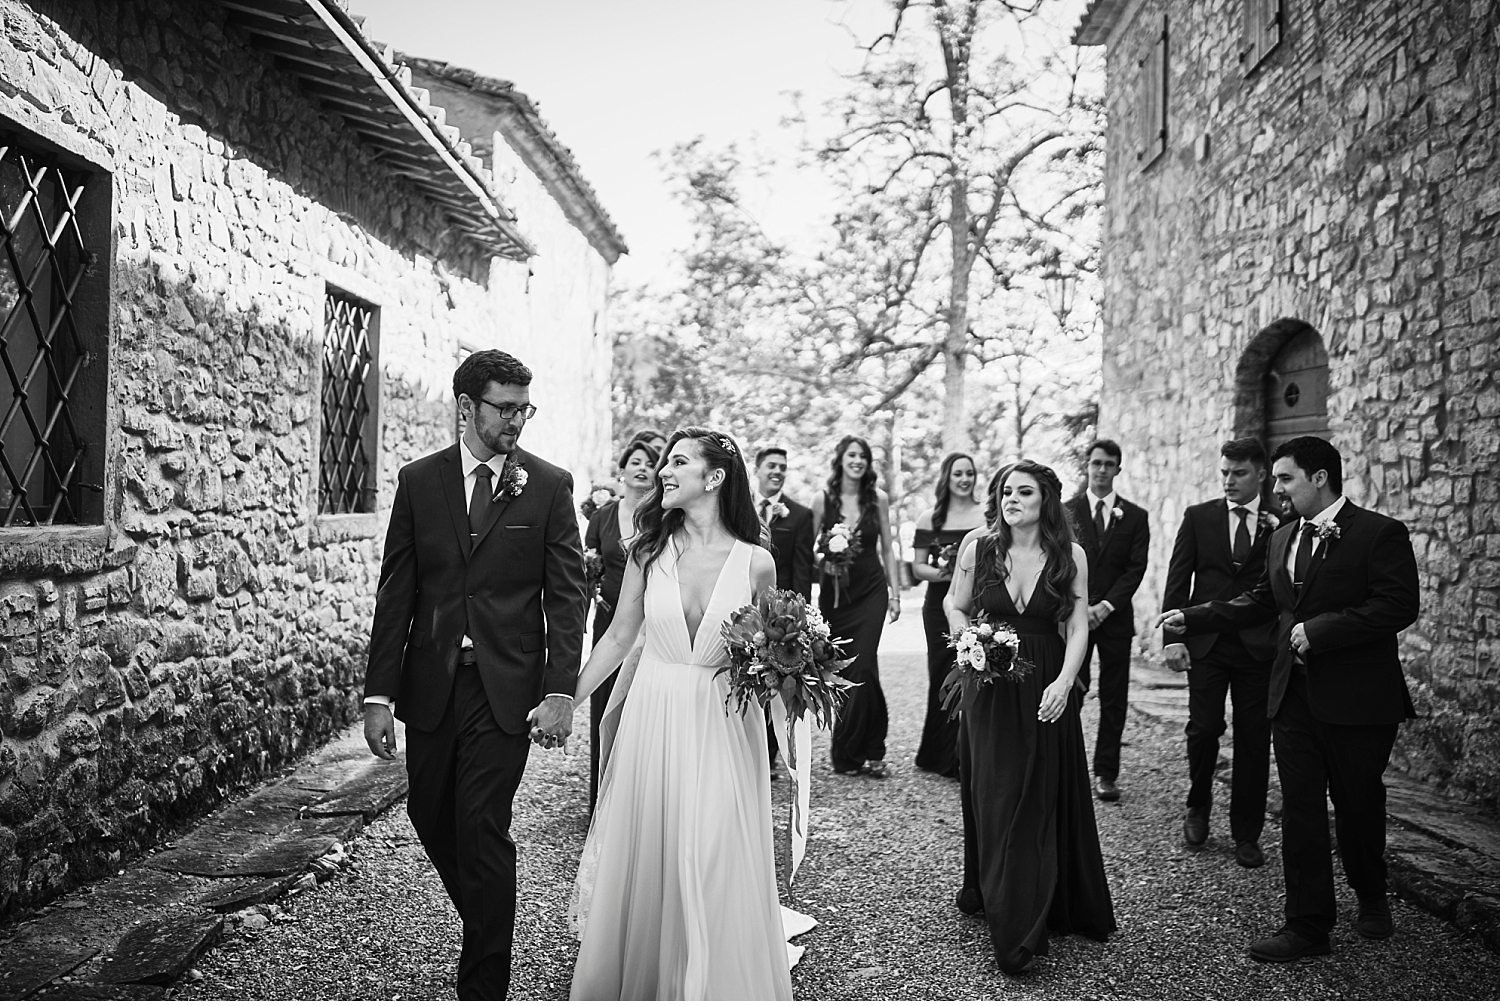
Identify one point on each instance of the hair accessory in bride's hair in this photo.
(727, 444)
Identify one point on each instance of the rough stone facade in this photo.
(1351, 183)
(213, 627)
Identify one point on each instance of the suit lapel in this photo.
(502, 500)
(1276, 561)
(453, 493)
(1085, 522)
(1341, 520)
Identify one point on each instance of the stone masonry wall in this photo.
(1351, 183)
(214, 628)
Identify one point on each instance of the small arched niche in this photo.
(1281, 384)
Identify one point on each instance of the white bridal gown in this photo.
(676, 890)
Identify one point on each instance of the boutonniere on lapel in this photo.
(1267, 520)
(512, 482)
(1327, 532)
(1117, 513)
(777, 511)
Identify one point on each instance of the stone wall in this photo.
(1351, 183)
(214, 627)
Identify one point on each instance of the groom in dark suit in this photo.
(477, 635)
(1339, 585)
(1220, 553)
(1116, 535)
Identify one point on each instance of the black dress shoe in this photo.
(969, 902)
(1195, 826)
(1287, 946)
(1248, 855)
(1106, 790)
(1374, 921)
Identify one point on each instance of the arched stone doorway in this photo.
(1281, 384)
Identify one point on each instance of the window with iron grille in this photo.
(1262, 30)
(1151, 108)
(347, 468)
(53, 334)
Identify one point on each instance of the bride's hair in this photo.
(1058, 566)
(655, 526)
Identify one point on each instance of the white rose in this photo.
(838, 543)
(976, 659)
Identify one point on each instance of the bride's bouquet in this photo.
(986, 651)
(780, 645)
(836, 548)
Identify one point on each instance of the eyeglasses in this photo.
(510, 411)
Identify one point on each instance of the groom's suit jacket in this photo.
(1202, 569)
(792, 540)
(1360, 590)
(517, 591)
(1117, 562)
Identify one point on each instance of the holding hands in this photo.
(552, 722)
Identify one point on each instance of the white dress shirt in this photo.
(1252, 520)
(1328, 514)
(1110, 502)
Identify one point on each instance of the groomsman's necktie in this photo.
(1241, 536)
(1304, 554)
(765, 511)
(479, 499)
(1099, 517)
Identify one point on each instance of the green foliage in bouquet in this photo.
(780, 645)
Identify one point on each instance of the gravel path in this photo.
(882, 867)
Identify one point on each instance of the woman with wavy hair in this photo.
(857, 592)
(955, 512)
(1031, 848)
(676, 889)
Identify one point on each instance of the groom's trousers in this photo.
(464, 775)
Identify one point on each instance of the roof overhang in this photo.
(322, 46)
(1100, 20)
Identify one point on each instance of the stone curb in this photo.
(1443, 856)
(132, 935)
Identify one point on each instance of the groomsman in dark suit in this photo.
(1339, 585)
(476, 639)
(1220, 553)
(1115, 534)
(790, 523)
(792, 537)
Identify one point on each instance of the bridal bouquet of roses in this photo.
(780, 645)
(836, 548)
(986, 651)
(593, 573)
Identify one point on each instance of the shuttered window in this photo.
(1151, 113)
(1262, 30)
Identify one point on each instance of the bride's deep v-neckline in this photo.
(692, 631)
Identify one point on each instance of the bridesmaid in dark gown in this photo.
(609, 532)
(858, 603)
(955, 512)
(1031, 848)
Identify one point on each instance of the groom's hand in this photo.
(1172, 621)
(552, 721)
(380, 730)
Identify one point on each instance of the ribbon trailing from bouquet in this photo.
(798, 754)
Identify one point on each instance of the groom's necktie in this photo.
(479, 500)
(1241, 536)
(1304, 554)
(1099, 518)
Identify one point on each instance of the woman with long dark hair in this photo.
(676, 889)
(1031, 848)
(857, 592)
(610, 531)
(955, 512)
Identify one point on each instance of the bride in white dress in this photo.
(676, 891)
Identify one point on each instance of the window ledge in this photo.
(61, 550)
(330, 528)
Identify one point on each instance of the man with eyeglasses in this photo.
(477, 636)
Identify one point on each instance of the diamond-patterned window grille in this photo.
(347, 469)
(50, 405)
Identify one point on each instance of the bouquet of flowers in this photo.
(780, 645)
(593, 573)
(986, 651)
(598, 497)
(942, 557)
(836, 548)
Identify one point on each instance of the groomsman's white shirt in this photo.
(1252, 520)
(1110, 502)
(1327, 515)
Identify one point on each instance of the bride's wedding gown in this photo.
(676, 890)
